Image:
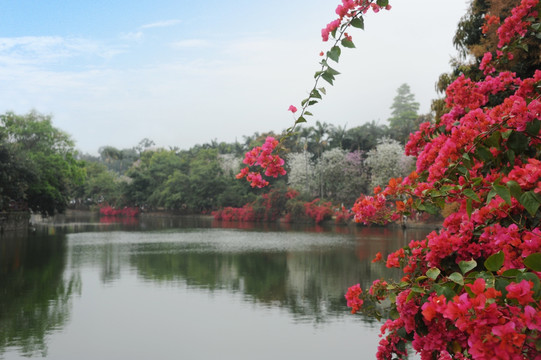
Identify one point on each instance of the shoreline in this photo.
(433, 225)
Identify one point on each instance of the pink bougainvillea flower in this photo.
(292, 108)
(352, 297)
(377, 257)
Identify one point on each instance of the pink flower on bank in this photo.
(292, 108)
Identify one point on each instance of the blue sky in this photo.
(187, 72)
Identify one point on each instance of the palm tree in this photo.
(337, 134)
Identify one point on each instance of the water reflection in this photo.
(305, 273)
(297, 273)
(36, 296)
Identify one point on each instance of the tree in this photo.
(477, 35)
(387, 160)
(355, 178)
(337, 135)
(119, 160)
(144, 145)
(403, 120)
(15, 174)
(100, 186)
(49, 156)
(301, 174)
(476, 41)
(330, 166)
(364, 137)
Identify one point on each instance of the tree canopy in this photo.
(42, 169)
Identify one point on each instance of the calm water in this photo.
(187, 288)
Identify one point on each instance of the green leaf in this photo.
(533, 262)
(328, 77)
(494, 140)
(491, 195)
(323, 91)
(429, 208)
(433, 273)
(466, 266)
(511, 156)
(504, 192)
(471, 194)
(531, 201)
(533, 127)
(469, 207)
(512, 272)
(334, 53)
(500, 284)
(358, 23)
(300, 120)
(382, 3)
(331, 71)
(477, 181)
(457, 278)
(347, 43)
(488, 276)
(445, 290)
(515, 189)
(494, 261)
(517, 142)
(308, 113)
(315, 94)
(483, 154)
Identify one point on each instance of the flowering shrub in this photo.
(318, 210)
(267, 207)
(107, 210)
(342, 215)
(245, 213)
(277, 203)
(471, 290)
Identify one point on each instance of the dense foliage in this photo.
(39, 169)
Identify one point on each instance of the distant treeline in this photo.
(41, 170)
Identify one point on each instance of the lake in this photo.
(188, 288)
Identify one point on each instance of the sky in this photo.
(181, 73)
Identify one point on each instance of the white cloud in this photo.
(41, 50)
(164, 23)
(138, 35)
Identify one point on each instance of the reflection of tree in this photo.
(35, 296)
(310, 284)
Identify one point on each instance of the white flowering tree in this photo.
(229, 163)
(355, 178)
(302, 173)
(330, 172)
(386, 161)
